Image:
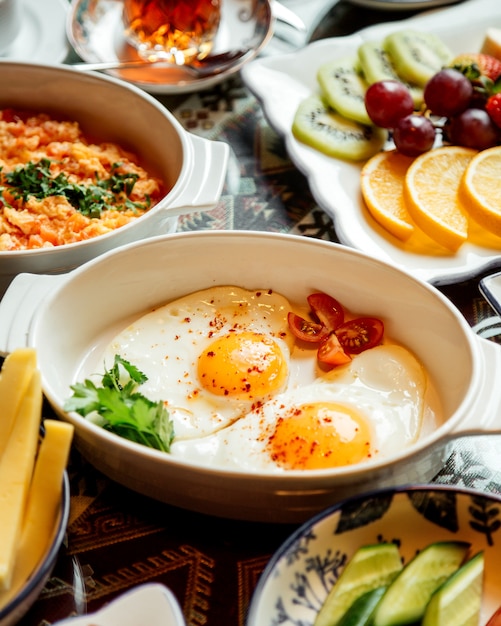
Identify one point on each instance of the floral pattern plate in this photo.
(299, 576)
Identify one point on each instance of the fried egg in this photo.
(372, 407)
(210, 356)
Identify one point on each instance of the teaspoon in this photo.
(210, 66)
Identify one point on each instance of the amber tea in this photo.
(178, 31)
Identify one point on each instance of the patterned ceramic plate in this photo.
(281, 82)
(298, 578)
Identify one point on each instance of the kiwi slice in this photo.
(417, 56)
(344, 87)
(377, 65)
(319, 126)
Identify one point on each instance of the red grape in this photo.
(473, 128)
(387, 101)
(413, 135)
(448, 93)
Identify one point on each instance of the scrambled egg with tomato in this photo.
(57, 187)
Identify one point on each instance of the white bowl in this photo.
(296, 581)
(152, 604)
(69, 319)
(19, 605)
(193, 168)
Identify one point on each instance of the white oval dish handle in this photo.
(207, 176)
(18, 306)
(484, 417)
(490, 288)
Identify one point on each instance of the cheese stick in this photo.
(15, 376)
(16, 470)
(43, 504)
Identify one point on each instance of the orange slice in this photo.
(432, 196)
(481, 189)
(382, 184)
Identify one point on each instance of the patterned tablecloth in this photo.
(118, 539)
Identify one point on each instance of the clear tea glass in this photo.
(178, 31)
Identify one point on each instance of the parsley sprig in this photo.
(124, 410)
(36, 179)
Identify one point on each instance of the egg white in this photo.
(165, 344)
(385, 386)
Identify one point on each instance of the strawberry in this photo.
(493, 108)
(477, 66)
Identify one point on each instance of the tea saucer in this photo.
(42, 37)
(403, 5)
(94, 29)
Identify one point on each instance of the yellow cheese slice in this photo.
(43, 504)
(15, 375)
(16, 469)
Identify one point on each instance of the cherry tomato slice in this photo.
(331, 351)
(360, 334)
(306, 330)
(495, 619)
(327, 309)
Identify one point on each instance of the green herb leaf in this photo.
(124, 410)
(36, 180)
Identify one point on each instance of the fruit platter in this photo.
(418, 158)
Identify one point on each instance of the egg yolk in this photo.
(243, 364)
(318, 436)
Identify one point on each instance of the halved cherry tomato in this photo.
(327, 309)
(306, 330)
(360, 334)
(495, 619)
(331, 351)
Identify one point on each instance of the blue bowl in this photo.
(298, 578)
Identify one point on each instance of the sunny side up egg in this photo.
(243, 395)
(210, 356)
(372, 407)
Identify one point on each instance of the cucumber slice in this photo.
(459, 599)
(360, 612)
(370, 567)
(406, 599)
